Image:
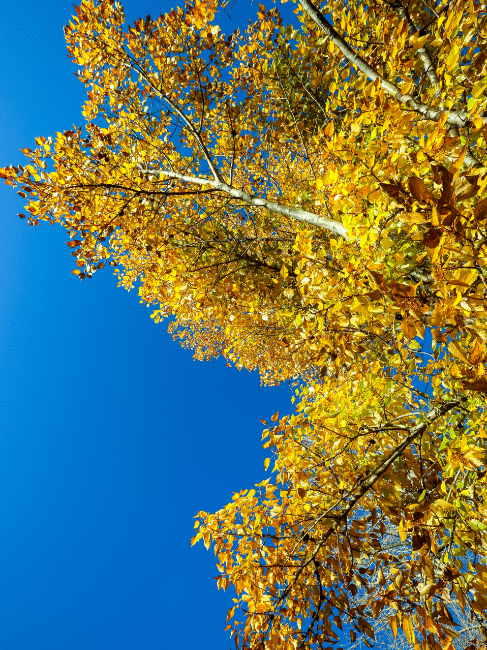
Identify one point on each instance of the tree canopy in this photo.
(308, 200)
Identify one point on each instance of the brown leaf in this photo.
(73, 243)
(450, 142)
(376, 294)
(417, 188)
(394, 191)
(447, 194)
(436, 173)
(432, 238)
(465, 187)
(450, 216)
(458, 283)
(479, 61)
(480, 212)
(459, 227)
(479, 384)
(379, 278)
(402, 290)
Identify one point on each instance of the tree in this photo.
(308, 200)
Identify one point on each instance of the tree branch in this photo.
(455, 118)
(368, 481)
(294, 213)
(135, 66)
(424, 55)
(430, 70)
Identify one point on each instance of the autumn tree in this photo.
(308, 200)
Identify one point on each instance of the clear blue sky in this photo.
(111, 436)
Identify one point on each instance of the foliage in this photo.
(308, 200)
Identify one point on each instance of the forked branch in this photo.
(455, 118)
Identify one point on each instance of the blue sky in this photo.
(111, 436)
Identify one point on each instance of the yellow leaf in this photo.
(402, 532)
(457, 165)
(393, 625)
(419, 42)
(444, 505)
(479, 87)
(457, 351)
(266, 464)
(408, 629)
(329, 128)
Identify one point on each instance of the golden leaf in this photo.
(408, 629)
(393, 625)
(457, 351)
(402, 531)
(438, 317)
(457, 165)
(465, 187)
(444, 505)
(278, 228)
(477, 355)
(407, 326)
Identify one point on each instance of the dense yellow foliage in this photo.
(309, 201)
